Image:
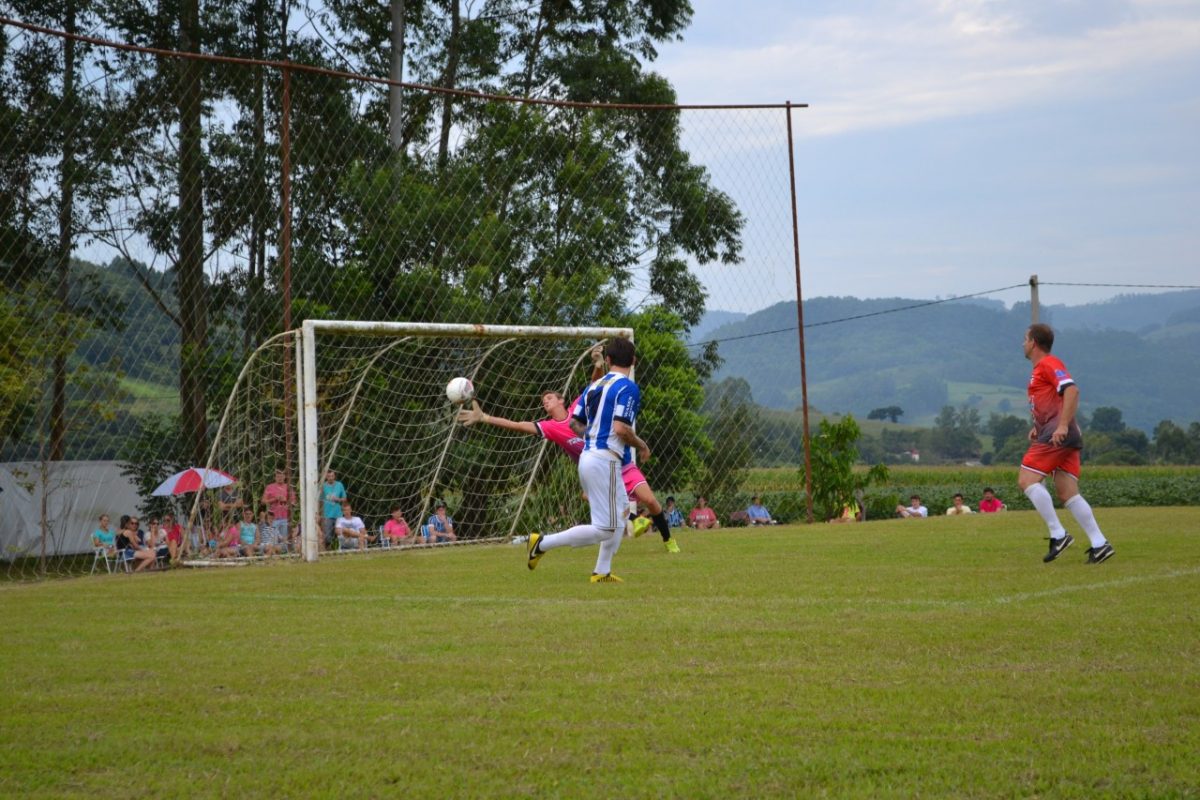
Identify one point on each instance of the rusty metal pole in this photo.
(285, 263)
(808, 500)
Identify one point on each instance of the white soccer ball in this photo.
(460, 390)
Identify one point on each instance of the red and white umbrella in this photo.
(193, 479)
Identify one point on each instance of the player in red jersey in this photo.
(1054, 444)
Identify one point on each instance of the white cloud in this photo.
(929, 61)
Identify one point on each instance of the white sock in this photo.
(608, 549)
(1044, 504)
(578, 536)
(1082, 512)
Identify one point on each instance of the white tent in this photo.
(76, 493)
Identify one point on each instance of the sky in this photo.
(954, 147)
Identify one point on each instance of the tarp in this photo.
(76, 493)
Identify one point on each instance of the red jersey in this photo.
(559, 432)
(1046, 385)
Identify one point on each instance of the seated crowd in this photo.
(989, 504)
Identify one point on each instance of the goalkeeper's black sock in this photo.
(660, 523)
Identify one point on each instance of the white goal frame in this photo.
(306, 382)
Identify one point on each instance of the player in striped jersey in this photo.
(556, 428)
(605, 418)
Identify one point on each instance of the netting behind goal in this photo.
(383, 424)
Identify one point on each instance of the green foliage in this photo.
(835, 482)
(887, 412)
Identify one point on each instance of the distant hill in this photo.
(959, 352)
(713, 320)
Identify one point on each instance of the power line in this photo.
(1121, 285)
(864, 316)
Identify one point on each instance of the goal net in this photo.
(367, 401)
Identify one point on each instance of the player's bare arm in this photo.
(469, 416)
(1069, 408)
(629, 436)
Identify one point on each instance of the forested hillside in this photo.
(969, 353)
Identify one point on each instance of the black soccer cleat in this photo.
(1099, 554)
(1057, 546)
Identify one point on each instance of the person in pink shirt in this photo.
(702, 516)
(396, 529)
(990, 504)
(556, 428)
(279, 499)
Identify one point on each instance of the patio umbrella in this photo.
(193, 479)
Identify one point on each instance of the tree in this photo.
(955, 433)
(887, 412)
(1107, 419)
(1004, 427)
(834, 454)
(1172, 444)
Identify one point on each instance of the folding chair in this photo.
(122, 558)
(101, 554)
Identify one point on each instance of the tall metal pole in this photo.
(1033, 298)
(808, 494)
(285, 262)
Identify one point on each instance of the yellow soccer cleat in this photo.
(671, 545)
(535, 555)
(606, 578)
(640, 526)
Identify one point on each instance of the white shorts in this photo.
(600, 474)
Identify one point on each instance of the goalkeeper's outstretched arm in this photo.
(474, 414)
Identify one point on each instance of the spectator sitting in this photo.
(348, 526)
(174, 536)
(229, 542)
(702, 517)
(247, 532)
(990, 504)
(674, 515)
(959, 508)
(130, 540)
(270, 541)
(441, 526)
(103, 537)
(396, 528)
(914, 509)
(758, 514)
(156, 540)
(851, 512)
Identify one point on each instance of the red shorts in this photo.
(1046, 459)
(633, 477)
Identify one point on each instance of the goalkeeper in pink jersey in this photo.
(556, 428)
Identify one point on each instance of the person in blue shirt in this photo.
(674, 515)
(333, 494)
(441, 526)
(605, 418)
(758, 513)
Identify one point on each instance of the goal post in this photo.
(374, 410)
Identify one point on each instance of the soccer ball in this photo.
(460, 390)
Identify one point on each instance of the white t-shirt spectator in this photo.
(350, 523)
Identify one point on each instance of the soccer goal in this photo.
(372, 407)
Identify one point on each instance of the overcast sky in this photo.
(953, 147)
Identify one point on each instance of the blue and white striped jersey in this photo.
(611, 398)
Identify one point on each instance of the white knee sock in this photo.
(1044, 504)
(578, 536)
(608, 549)
(1082, 512)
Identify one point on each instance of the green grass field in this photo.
(896, 659)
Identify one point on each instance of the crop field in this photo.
(938, 658)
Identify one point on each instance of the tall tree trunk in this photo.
(395, 93)
(66, 225)
(449, 80)
(189, 284)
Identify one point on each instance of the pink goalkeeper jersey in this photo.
(559, 432)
